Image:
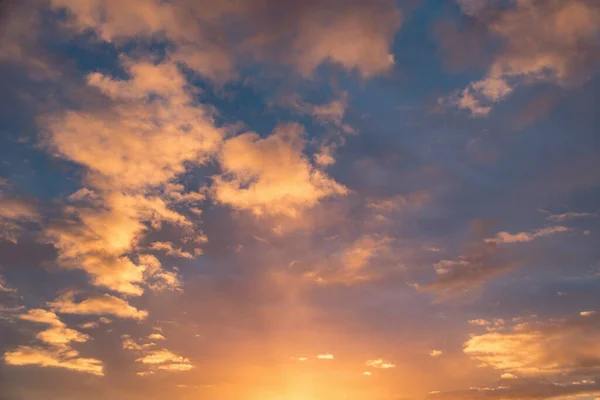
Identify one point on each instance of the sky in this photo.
(299, 200)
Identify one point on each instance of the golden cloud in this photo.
(58, 358)
(271, 175)
(104, 304)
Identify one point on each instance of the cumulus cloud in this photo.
(104, 304)
(42, 316)
(562, 46)
(59, 353)
(353, 34)
(156, 359)
(56, 357)
(147, 135)
(271, 175)
(156, 336)
(436, 353)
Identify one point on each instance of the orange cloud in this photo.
(98, 305)
(353, 34)
(60, 354)
(534, 348)
(562, 46)
(58, 358)
(13, 213)
(379, 363)
(271, 175)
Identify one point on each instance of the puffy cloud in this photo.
(353, 34)
(271, 175)
(43, 317)
(60, 335)
(56, 357)
(97, 305)
(505, 237)
(147, 135)
(156, 359)
(129, 343)
(379, 363)
(436, 353)
(562, 46)
(60, 354)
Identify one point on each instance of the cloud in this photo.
(436, 353)
(56, 357)
(271, 175)
(350, 265)
(42, 316)
(104, 304)
(156, 359)
(13, 214)
(481, 262)
(531, 390)
(540, 348)
(521, 237)
(379, 363)
(169, 249)
(587, 313)
(4, 288)
(353, 34)
(60, 354)
(144, 133)
(60, 335)
(157, 278)
(570, 215)
(562, 46)
(144, 137)
(325, 357)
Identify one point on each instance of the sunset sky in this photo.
(299, 200)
